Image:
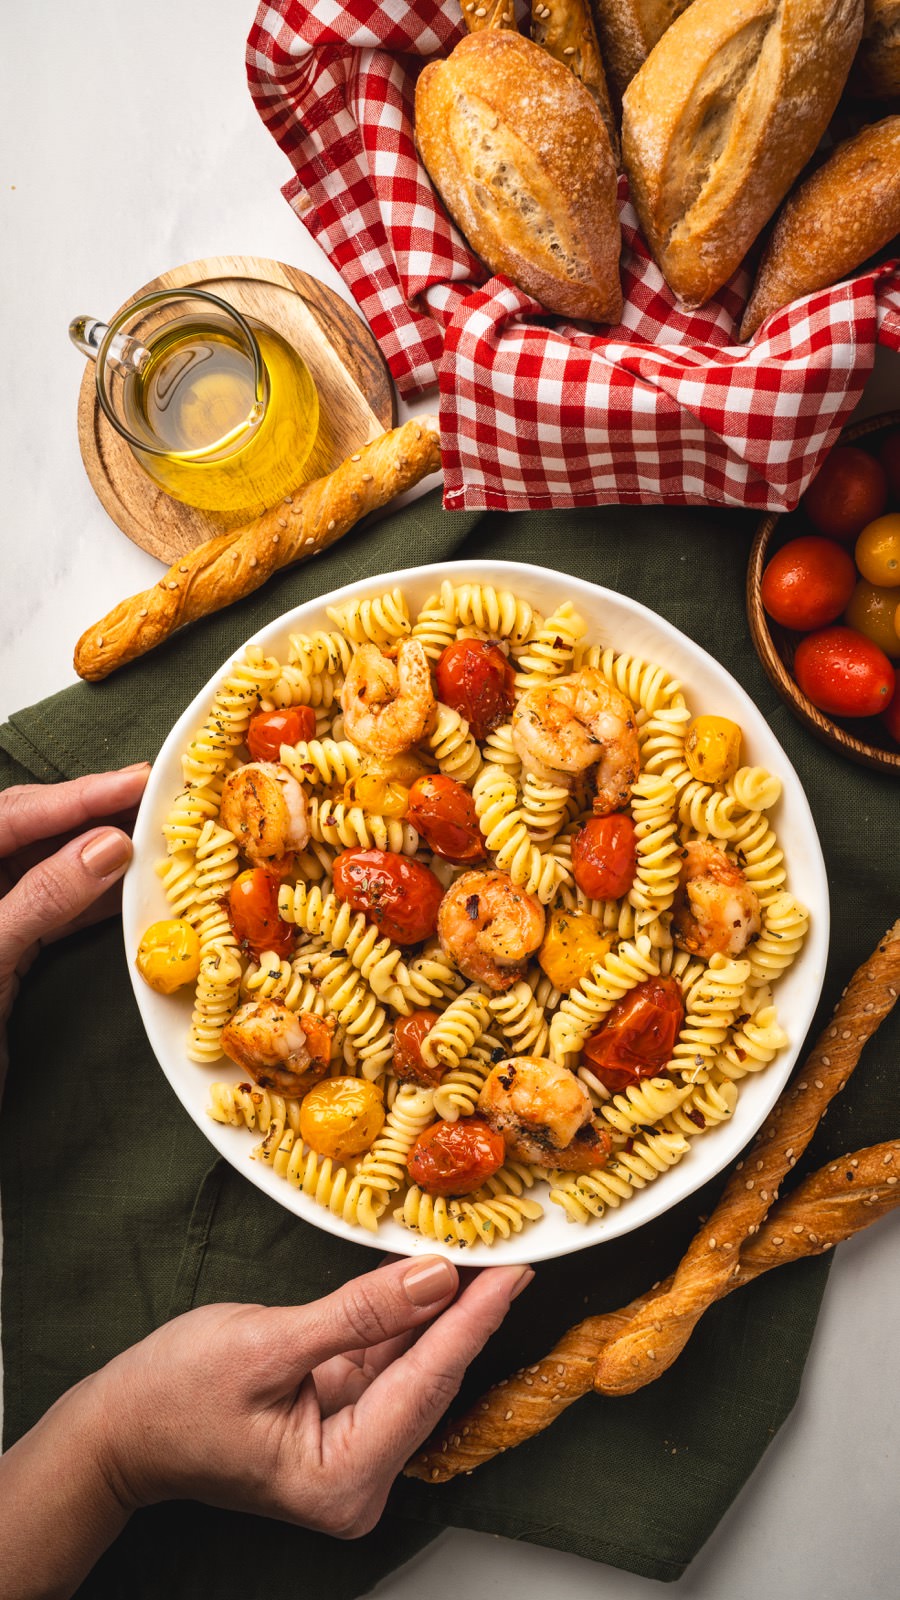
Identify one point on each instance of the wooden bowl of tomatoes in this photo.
(823, 597)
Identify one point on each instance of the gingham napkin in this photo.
(536, 411)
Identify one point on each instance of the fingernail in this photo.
(427, 1284)
(106, 852)
(525, 1277)
(136, 766)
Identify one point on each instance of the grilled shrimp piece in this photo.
(287, 1051)
(579, 726)
(264, 806)
(489, 928)
(388, 704)
(715, 910)
(544, 1114)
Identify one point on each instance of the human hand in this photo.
(59, 867)
(304, 1413)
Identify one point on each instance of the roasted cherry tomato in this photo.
(849, 490)
(475, 678)
(381, 797)
(843, 673)
(877, 551)
(712, 748)
(574, 941)
(874, 611)
(269, 730)
(637, 1036)
(169, 955)
(889, 456)
(444, 812)
(453, 1158)
(253, 909)
(408, 1035)
(604, 856)
(400, 896)
(891, 717)
(807, 583)
(341, 1116)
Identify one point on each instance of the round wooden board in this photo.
(355, 393)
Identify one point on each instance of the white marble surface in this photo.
(129, 145)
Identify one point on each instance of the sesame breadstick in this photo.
(232, 565)
(660, 1331)
(478, 14)
(830, 1205)
(565, 29)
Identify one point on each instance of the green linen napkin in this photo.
(117, 1215)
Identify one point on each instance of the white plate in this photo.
(612, 619)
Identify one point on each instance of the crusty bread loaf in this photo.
(628, 30)
(520, 156)
(566, 29)
(725, 112)
(876, 70)
(832, 223)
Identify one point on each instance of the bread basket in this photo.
(775, 645)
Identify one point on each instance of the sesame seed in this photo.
(888, 1159)
(651, 1355)
(778, 1238)
(711, 1246)
(100, 640)
(763, 1194)
(819, 1084)
(759, 1166)
(310, 540)
(846, 1033)
(282, 522)
(289, 499)
(569, 51)
(331, 525)
(798, 1227)
(172, 584)
(813, 1237)
(893, 1180)
(749, 1184)
(507, 1416)
(826, 1061)
(367, 477)
(253, 562)
(356, 458)
(544, 1378)
(803, 1086)
(141, 613)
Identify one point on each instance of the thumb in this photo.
(59, 889)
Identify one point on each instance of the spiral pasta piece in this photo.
(244, 1105)
(382, 1170)
(497, 612)
(346, 931)
(349, 999)
(458, 1029)
(179, 880)
(453, 745)
(320, 761)
(707, 1105)
(757, 852)
(325, 1181)
(434, 627)
(498, 751)
(217, 862)
(784, 928)
(707, 811)
(294, 686)
(272, 978)
(712, 1003)
(642, 1105)
(190, 812)
(662, 740)
(522, 1020)
(429, 977)
(434, 1217)
(210, 751)
(645, 684)
(550, 650)
(589, 1194)
(754, 789)
(544, 808)
(754, 1043)
(593, 996)
(658, 849)
(457, 1094)
(501, 1207)
(319, 652)
(382, 620)
(218, 989)
(506, 836)
(342, 826)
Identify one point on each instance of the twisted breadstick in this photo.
(565, 28)
(234, 564)
(478, 14)
(827, 1207)
(659, 1333)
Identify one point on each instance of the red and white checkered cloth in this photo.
(536, 411)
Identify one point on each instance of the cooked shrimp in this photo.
(388, 705)
(544, 1114)
(715, 908)
(580, 726)
(264, 806)
(489, 928)
(287, 1051)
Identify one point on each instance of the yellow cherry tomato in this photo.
(877, 551)
(874, 611)
(572, 943)
(405, 768)
(712, 749)
(340, 1117)
(169, 955)
(382, 797)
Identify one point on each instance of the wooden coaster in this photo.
(356, 396)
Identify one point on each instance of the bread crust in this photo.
(876, 69)
(725, 112)
(233, 564)
(628, 30)
(565, 28)
(832, 223)
(519, 154)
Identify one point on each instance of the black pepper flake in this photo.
(472, 907)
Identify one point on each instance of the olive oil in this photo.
(223, 446)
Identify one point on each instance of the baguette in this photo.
(725, 112)
(876, 70)
(828, 1207)
(832, 223)
(478, 14)
(233, 564)
(628, 30)
(565, 28)
(519, 154)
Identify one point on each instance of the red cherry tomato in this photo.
(891, 717)
(889, 456)
(843, 673)
(269, 730)
(604, 856)
(849, 490)
(807, 583)
(475, 678)
(253, 911)
(444, 812)
(400, 896)
(456, 1157)
(638, 1034)
(408, 1035)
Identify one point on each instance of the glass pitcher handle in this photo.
(124, 353)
